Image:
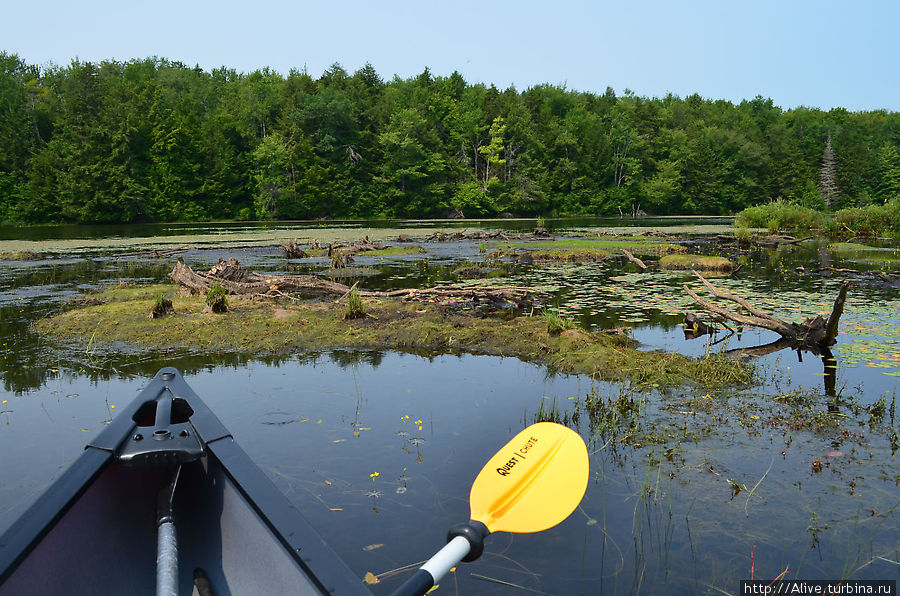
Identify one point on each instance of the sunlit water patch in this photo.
(378, 450)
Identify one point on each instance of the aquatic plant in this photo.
(553, 413)
(614, 419)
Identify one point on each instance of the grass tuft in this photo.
(216, 300)
(162, 307)
(355, 307)
(557, 324)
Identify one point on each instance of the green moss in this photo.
(20, 255)
(392, 251)
(589, 249)
(263, 326)
(700, 262)
(395, 251)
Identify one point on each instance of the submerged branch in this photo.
(635, 260)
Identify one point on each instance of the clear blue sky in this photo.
(817, 53)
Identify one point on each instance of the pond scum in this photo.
(264, 326)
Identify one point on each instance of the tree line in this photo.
(156, 140)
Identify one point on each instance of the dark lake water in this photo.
(717, 485)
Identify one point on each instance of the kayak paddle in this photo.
(533, 483)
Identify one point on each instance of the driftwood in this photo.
(635, 260)
(463, 235)
(812, 332)
(351, 248)
(771, 241)
(291, 250)
(227, 274)
(237, 281)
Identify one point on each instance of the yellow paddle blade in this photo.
(534, 482)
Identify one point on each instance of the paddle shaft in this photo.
(167, 541)
(166, 560)
(435, 568)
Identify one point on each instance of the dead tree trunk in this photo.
(812, 332)
(245, 283)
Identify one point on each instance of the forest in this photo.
(151, 140)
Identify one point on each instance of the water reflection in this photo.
(663, 513)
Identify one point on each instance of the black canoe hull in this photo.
(94, 530)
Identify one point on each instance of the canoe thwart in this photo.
(163, 434)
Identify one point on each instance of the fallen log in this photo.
(815, 332)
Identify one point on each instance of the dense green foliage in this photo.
(153, 140)
(780, 215)
(869, 220)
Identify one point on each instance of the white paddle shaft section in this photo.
(167, 561)
(447, 558)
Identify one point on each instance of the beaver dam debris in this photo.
(236, 280)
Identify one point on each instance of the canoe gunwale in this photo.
(297, 537)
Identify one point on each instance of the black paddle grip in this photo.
(475, 532)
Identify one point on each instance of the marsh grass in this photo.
(553, 413)
(780, 215)
(557, 324)
(871, 220)
(118, 315)
(355, 307)
(614, 419)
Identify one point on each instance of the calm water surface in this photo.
(659, 516)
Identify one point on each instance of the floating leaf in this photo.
(371, 547)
